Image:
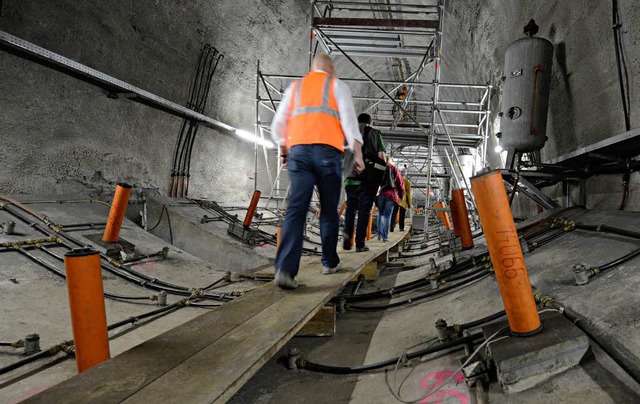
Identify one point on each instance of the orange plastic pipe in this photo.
(86, 302)
(369, 226)
(462, 218)
(116, 215)
(252, 208)
(443, 215)
(438, 213)
(342, 208)
(454, 218)
(506, 253)
(278, 231)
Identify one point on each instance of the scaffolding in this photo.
(425, 123)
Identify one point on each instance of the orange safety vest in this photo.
(313, 112)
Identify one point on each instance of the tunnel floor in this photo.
(34, 300)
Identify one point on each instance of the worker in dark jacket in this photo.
(361, 189)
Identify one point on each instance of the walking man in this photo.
(361, 189)
(314, 119)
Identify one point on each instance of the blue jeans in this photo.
(360, 200)
(385, 210)
(310, 165)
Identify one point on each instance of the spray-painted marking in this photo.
(32, 393)
(144, 267)
(435, 380)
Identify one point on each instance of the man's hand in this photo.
(359, 164)
(284, 151)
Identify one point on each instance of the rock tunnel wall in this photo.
(58, 134)
(61, 135)
(585, 104)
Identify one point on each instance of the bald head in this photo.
(323, 62)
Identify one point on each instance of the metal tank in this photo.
(525, 98)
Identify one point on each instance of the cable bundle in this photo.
(180, 172)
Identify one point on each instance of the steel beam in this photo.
(373, 22)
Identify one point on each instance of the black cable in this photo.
(134, 319)
(426, 295)
(546, 240)
(620, 61)
(608, 229)
(54, 350)
(316, 367)
(28, 360)
(409, 286)
(481, 321)
(123, 272)
(64, 276)
(619, 261)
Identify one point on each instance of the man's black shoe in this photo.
(362, 249)
(346, 244)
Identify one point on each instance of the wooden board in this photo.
(323, 324)
(370, 272)
(209, 358)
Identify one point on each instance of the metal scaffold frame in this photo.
(424, 123)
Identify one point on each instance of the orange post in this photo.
(454, 218)
(506, 254)
(462, 218)
(369, 226)
(278, 231)
(443, 215)
(86, 302)
(116, 214)
(252, 208)
(342, 208)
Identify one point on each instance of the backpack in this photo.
(388, 180)
(374, 166)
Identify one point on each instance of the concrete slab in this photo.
(35, 300)
(524, 362)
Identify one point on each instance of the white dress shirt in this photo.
(346, 109)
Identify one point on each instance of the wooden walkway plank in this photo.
(218, 372)
(122, 376)
(209, 358)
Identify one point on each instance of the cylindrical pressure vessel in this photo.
(525, 98)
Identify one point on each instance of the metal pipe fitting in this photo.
(292, 357)
(8, 227)
(582, 274)
(162, 298)
(31, 344)
(442, 329)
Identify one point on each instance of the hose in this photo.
(426, 295)
(479, 322)
(608, 229)
(341, 370)
(111, 266)
(64, 276)
(65, 346)
(621, 64)
(618, 261)
(166, 309)
(409, 286)
(620, 355)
